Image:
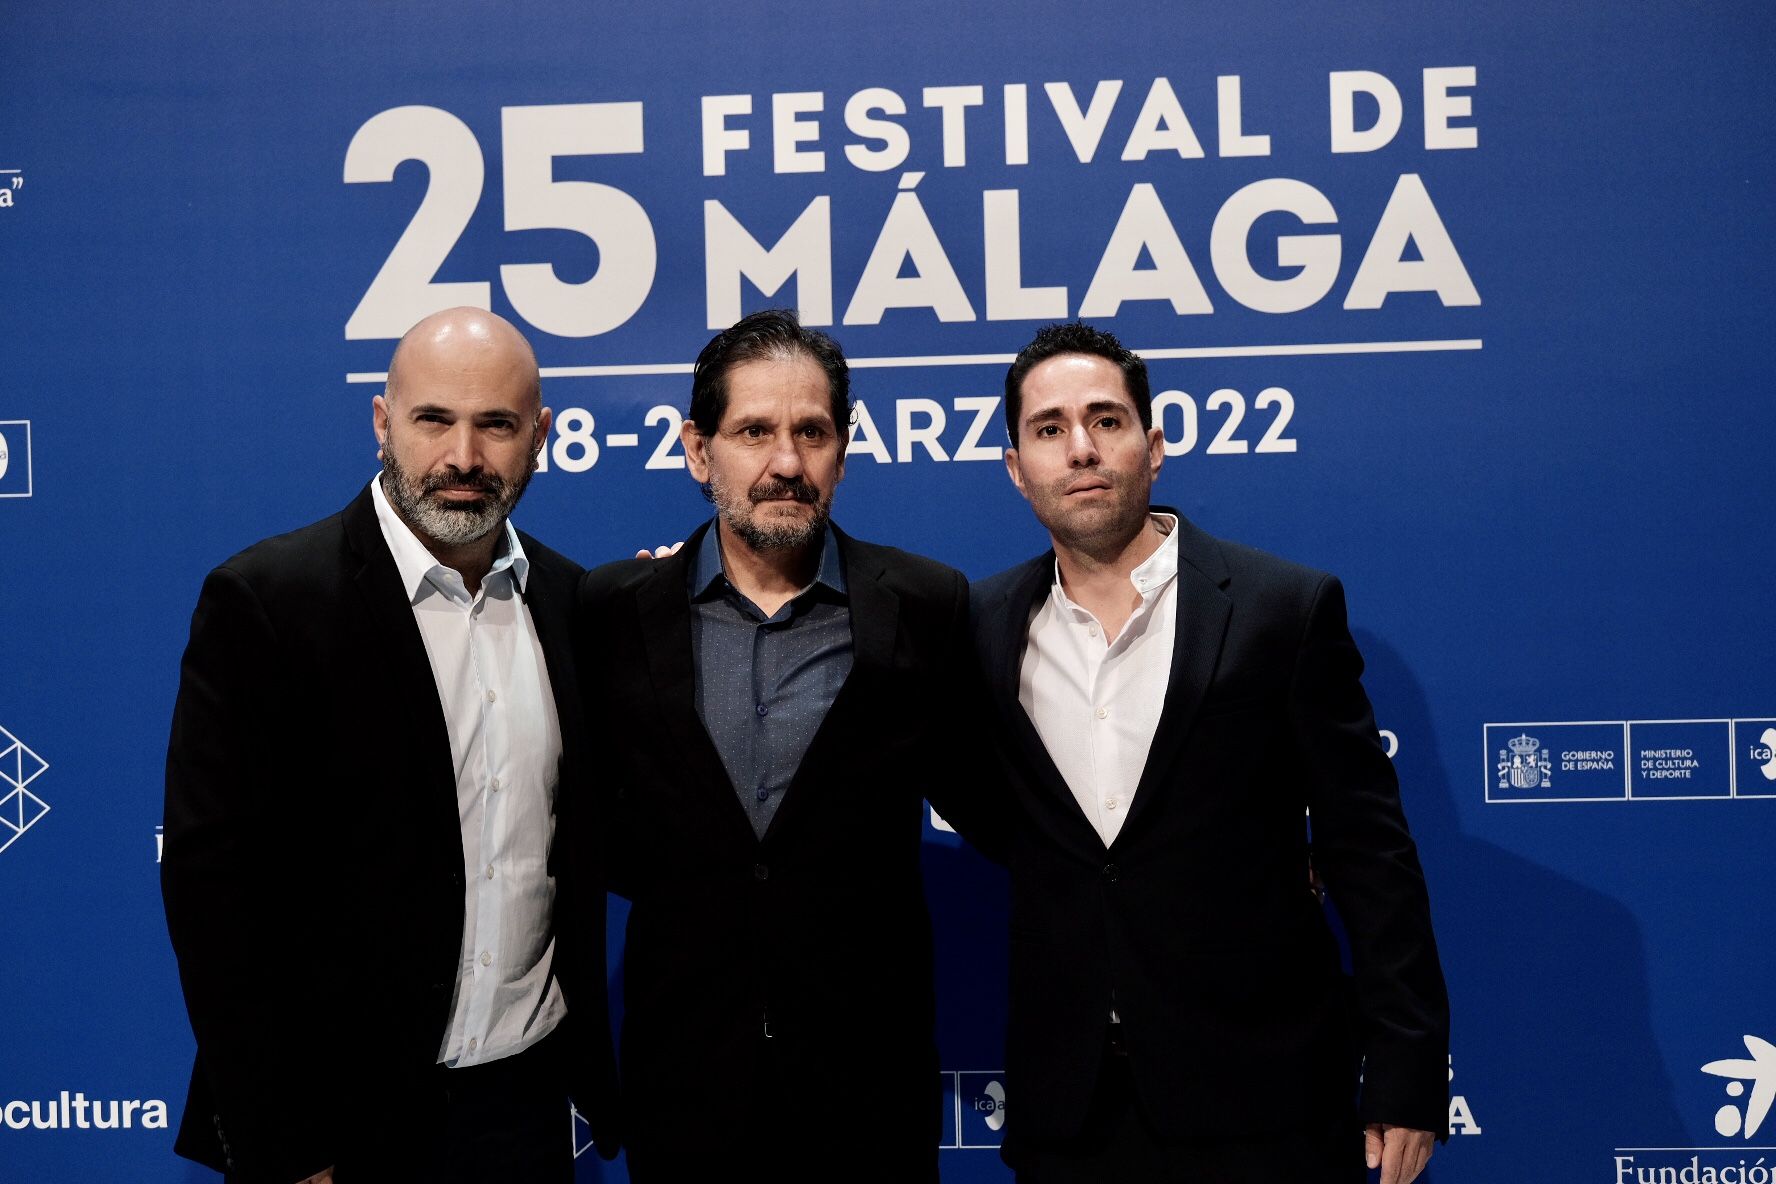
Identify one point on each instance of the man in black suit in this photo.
(1168, 705)
(377, 724)
(774, 702)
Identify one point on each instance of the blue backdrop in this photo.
(1462, 302)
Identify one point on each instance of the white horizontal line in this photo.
(622, 440)
(1312, 349)
(617, 371)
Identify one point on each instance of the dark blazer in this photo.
(313, 865)
(1198, 923)
(801, 961)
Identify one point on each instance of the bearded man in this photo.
(774, 701)
(377, 726)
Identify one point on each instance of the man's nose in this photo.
(786, 458)
(1082, 450)
(462, 448)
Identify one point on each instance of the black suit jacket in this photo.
(313, 863)
(818, 931)
(1197, 924)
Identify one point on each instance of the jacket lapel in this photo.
(1203, 609)
(663, 608)
(406, 670)
(549, 599)
(1009, 638)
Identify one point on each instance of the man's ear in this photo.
(379, 420)
(696, 449)
(540, 438)
(1014, 470)
(1156, 451)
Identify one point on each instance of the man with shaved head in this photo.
(378, 725)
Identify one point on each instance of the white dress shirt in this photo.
(505, 743)
(1096, 704)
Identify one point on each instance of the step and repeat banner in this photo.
(1469, 304)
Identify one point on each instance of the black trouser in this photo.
(502, 1122)
(1118, 1145)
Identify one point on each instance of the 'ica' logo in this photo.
(1760, 1071)
(992, 1104)
(1764, 750)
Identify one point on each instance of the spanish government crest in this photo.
(1525, 765)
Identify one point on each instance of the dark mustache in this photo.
(798, 488)
(491, 484)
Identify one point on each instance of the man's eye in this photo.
(1109, 421)
(813, 433)
(1049, 429)
(752, 431)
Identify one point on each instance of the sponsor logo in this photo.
(1758, 1071)
(1764, 751)
(76, 1112)
(20, 809)
(1751, 1088)
(981, 1109)
(15, 455)
(1526, 765)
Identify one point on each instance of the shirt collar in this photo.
(1154, 573)
(707, 567)
(418, 566)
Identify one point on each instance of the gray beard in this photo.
(786, 536)
(449, 525)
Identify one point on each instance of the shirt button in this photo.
(763, 710)
(1103, 713)
(1109, 804)
(1091, 630)
(1112, 873)
(486, 958)
(491, 696)
(473, 1044)
(490, 866)
(764, 793)
(494, 785)
(760, 872)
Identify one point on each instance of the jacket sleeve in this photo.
(1366, 856)
(230, 879)
(968, 787)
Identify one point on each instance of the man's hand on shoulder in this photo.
(1399, 1151)
(659, 552)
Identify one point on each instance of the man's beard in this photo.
(452, 523)
(739, 513)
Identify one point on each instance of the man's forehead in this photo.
(1074, 382)
(769, 387)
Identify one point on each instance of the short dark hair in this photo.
(1075, 337)
(773, 333)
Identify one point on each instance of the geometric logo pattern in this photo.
(1759, 1071)
(20, 809)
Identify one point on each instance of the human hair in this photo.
(773, 333)
(1075, 337)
